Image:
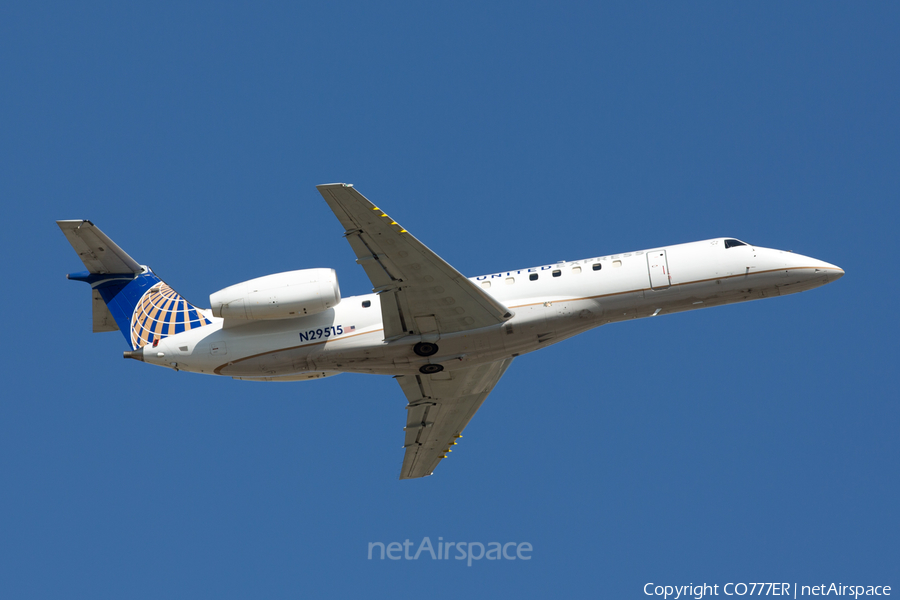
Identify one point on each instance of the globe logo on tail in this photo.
(161, 312)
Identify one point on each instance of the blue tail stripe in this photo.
(124, 294)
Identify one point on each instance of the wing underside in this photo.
(440, 406)
(420, 293)
(421, 296)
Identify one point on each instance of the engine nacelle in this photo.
(279, 296)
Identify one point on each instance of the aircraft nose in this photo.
(832, 272)
(811, 270)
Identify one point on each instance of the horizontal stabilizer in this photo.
(98, 253)
(103, 319)
(125, 295)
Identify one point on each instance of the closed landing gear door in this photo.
(659, 269)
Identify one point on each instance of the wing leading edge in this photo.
(420, 293)
(439, 408)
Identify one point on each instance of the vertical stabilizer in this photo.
(126, 295)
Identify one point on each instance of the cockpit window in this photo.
(733, 243)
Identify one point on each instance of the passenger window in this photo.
(557, 273)
(533, 277)
(485, 284)
(597, 266)
(367, 303)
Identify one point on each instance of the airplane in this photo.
(446, 338)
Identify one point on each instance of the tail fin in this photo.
(126, 295)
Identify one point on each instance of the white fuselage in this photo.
(562, 300)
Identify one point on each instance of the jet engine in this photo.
(279, 296)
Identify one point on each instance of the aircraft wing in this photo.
(440, 406)
(420, 293)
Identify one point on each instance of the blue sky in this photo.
(755, 442)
